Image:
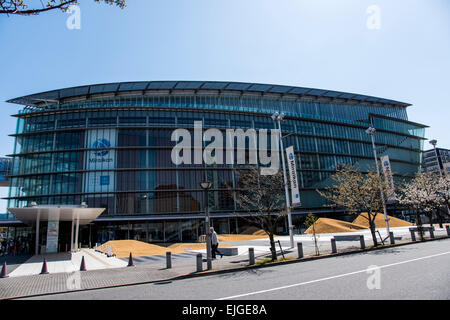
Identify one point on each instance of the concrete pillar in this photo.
(77, 229)
(199, 262)
(300, 250)
(333, 245)
(36, 248)
(431, 233)
(168, 259)
(413, 235)
(71, 236)
(361, 241)
(251, 256)
(391, 237)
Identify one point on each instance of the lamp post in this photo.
(371, 131)
(278, 118)
(206, 185)
(433, 143)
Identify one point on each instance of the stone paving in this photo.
(154, 272)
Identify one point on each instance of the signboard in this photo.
(295, 193)
(101, 157)
(386, 165)
(52, 237)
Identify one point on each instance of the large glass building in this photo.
(109, 145)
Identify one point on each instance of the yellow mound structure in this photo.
(327, 225)
(122, 248)
(379, 221)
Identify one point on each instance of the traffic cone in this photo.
(130, 261)
(44, 267)
(83, 265)
(4, 273)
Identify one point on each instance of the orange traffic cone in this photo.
(4, 273)
(130, 261)
(44, 267)
(83, 265)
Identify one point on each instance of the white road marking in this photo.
(328, 278)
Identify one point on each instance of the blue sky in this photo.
(317, 43)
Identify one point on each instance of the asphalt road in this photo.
(418, 271)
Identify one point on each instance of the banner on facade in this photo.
(386, 165)
(100, 157)
(295, 193)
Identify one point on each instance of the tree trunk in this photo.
(372, 230)
(272, 247)
(419, 224)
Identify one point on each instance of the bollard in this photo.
(168, 259)
(300, 250)
(431, 233)
(448, 230)
(83, 265)
(130, 261)
(361, 241)
(199, 262)
(251, 256)
(44, 269)
(333, 245)
(4, 273)
(391, 237)
(413, 235)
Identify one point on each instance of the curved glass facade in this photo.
(115, 152)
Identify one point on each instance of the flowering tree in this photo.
(25, 7)
(357, 192)
(422, 193)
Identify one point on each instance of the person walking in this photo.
(214, 243)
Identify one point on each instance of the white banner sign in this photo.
(293, 176)
(52, 237)
(386, 165)
(100, 158)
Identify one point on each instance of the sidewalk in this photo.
(115, 275)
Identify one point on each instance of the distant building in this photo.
(432, 163)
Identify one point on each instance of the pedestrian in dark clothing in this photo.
(214, 243)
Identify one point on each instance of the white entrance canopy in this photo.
(76, 214)
(29, 215)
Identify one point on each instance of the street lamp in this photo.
(371, 131)
(433, 143)
(206, 185)
(278, 118)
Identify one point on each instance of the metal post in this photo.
(333, 245)
(431, 232)
(168, 259)
(448, 230)
(205, 186)
(251, 256)
(300, 250)
(371, 132)
(391, 237)
(199, 262)
(361, 241)
(288, 207)
(413, 235)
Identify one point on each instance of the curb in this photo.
(221, 271)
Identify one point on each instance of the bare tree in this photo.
(25, 7)
(261, 199)
(357, 192)
(311, 222)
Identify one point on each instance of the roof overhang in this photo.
(30, 215)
